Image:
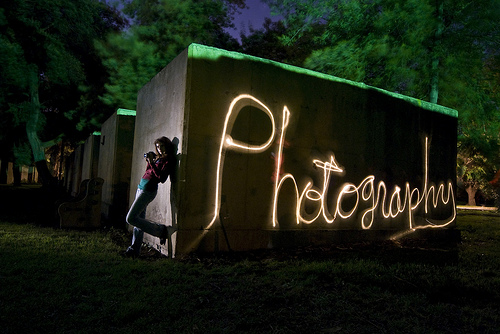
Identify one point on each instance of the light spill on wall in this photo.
(372, 199)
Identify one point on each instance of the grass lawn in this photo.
(57, 281)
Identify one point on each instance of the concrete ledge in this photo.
(285, 239)
(214, 240)
(481, 208)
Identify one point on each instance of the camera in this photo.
(150, 152)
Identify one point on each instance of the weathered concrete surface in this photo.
(161, 108)
(288, 156)
(91, 156)
(73, 171)
(115, 163)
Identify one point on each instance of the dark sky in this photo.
(253, 16)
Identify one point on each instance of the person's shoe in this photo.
(130, 252)
(164, 236)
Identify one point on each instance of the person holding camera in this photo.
(159, 167)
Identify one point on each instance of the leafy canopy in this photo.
(160, 30)
(49, 71)
(438, 50)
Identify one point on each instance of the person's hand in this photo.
(150, 157)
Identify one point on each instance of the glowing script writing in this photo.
(371, 199)
(227, 142)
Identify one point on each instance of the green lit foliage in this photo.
(474, 171)
(441, 51)
(45, 45)
(266, 43)
(479, 135)
(391, 44)
(384, 43)
(160, 30)
(138, 63)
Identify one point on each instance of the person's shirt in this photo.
(155, 173)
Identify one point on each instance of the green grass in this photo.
(57, 281)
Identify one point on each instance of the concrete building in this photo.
(90, 161)
(115, 160)
(73, 171)
(271, 155)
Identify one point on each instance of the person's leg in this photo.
(137, 237)
(138, 210)
(138, 234)
(138, 207)
(135, 217)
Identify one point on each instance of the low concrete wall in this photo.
(115, 162)
(272, 155)
(91, 156)
(73, 171)
(82, 164)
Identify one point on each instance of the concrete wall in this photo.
(82, 164)
(74, 171)
(287, 156)
(91, 156)
(115, 162)
(161, 106)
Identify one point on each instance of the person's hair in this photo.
(169, 147)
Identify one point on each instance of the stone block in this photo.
(91, 156)
(267, 150)
(115, 161)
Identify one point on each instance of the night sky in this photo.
(253, 16)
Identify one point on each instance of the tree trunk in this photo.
(3, 169)
(31, 130)
(16, 173)
(436, 53)
(471, 192)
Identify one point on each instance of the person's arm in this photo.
(160, 170)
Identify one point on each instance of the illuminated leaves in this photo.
(413, 48)
(47, 57)
(392, 44)
(160, 30)
(137, 63)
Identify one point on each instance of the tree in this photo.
(432, 50)
(266, 43)
(44, 47)
(160, 30)
(131, 63)
(475, 171)
(479, 137)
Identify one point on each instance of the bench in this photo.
(85, 211)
